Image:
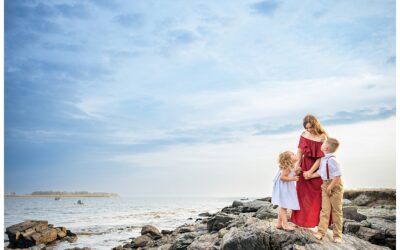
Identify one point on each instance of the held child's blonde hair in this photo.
(333, 143)
(285, 160)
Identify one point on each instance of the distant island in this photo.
(58, 194)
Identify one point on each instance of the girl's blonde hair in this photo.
(315, 124)
(285, 160)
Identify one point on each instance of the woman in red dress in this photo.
(309, 190)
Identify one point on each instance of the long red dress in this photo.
(308, 191)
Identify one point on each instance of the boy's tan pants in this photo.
(334, 203)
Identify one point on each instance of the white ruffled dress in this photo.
(284, 193)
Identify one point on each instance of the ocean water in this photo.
(103, 223)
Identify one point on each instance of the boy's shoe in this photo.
(337, 240)
(318, 236)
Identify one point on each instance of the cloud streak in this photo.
(266, 8)
(338, 118)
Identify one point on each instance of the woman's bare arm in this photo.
(315, 166)
(315, 175)
(297, 168)
(308, 173)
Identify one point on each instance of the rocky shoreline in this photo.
(369, 223)
(37, 234)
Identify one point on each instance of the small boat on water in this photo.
(57, 198)
(80, 202)
(244, 199)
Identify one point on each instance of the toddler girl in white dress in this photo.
(284, 190)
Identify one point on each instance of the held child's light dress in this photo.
(284, 193)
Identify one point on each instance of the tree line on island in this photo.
(64, 193)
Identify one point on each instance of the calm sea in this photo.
(103, 223)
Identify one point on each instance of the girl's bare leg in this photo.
(285, 224)
(279, 223)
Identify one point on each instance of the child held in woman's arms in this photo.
(284, 189)
(332, 191)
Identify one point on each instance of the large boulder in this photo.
(207, 241)
(371, 197)
(265, 199)
(237, 204)
(238, 239)
(206, 214)
(263, 235)
(218, 221)
(151, 231)
(386, 228)
(185, 229)
(346, 202)
(375, 230)
(266, 212)
(141, 241)
(183, 241)
(166, 231)
(232, 210)
(363, 200)
(21, 230)
(34, 232)
(374, 236)
(71, 237)
(45, 236)
(245, 207)
(352, 214)
(351, 226)
(61, 232)
(254, 206)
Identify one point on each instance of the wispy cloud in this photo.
(267, 7)
(220, 116)
(340, 117)
(366, 114)
(72, 10)
(110, 5)
(131, 20)
(181, 36)
(391, 60)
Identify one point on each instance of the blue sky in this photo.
(91, 84)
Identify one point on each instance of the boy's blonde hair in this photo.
(285, 160)
(334, 143)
